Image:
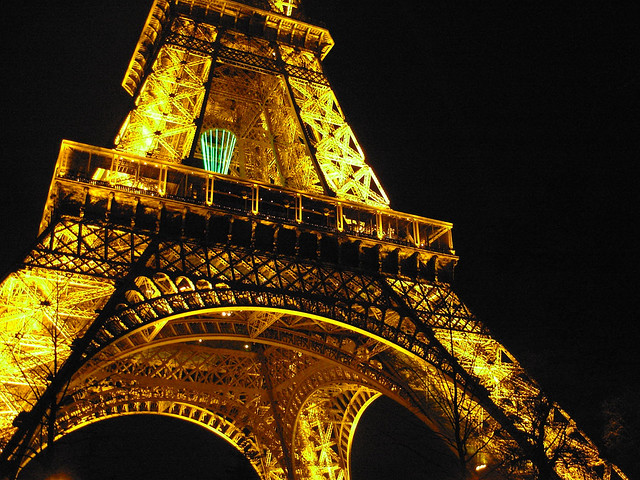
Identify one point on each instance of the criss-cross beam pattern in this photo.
(221, 389)
(404, 314)
(274, 97)
(365, 322)
(211, 379)
(85, 247)
(49, 301)
(271, 305)
(237, 277)
(162, 124)
(42, 312)
(337, 151)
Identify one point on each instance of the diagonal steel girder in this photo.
(232, 276)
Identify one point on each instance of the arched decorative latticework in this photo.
(270, 303)
(320, 333)
(206, 367)
(120, 402)
(310, 337)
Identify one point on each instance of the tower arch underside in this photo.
(311, 401)
(286, 386)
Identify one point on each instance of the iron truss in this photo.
(273, 95)
(278, 352)
(272, 305)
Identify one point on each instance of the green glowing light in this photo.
(217, 149)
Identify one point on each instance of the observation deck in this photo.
(102, 185)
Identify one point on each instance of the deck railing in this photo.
(142, 176)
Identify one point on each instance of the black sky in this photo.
(517, 124)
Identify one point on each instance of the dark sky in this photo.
(517, 124)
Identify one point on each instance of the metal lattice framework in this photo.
(273, 95)
(271, 306)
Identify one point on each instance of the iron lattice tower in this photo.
(271, 300)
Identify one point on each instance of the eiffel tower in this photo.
(234, 262)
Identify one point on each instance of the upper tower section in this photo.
(249, 72)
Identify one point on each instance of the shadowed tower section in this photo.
(234, 262)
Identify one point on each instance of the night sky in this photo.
(517, 124)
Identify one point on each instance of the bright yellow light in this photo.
(59, 476)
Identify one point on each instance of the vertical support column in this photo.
(113, 169)
(255, 198)
(162, 180)
(416, 233)
(207, 90)
(287, 461)
(298, 208)
(209, 189)
(339, 217)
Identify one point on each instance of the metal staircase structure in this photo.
(270, 305)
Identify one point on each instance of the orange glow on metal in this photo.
(279, 353)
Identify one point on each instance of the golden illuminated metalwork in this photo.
(271, 305)
(273, 96)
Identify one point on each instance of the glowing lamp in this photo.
(217, 149)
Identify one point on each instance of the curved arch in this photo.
(325, 428)
(184, 284)
(260, 456)
(399, 313)
(147, 287)
(164, 283)
(356, 420)
(152, 377)
(359, 353)
(132, 319)
(353, 323)
(347, 300)
(318, 359)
